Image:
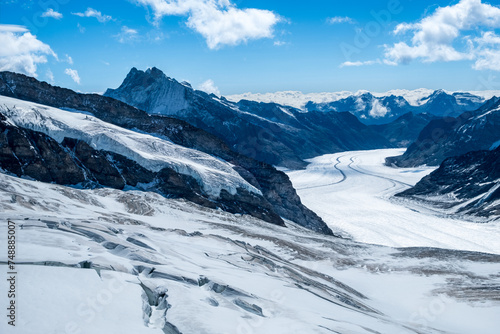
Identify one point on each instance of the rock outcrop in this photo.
(467, 184)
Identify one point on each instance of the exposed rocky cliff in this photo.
(467, 184)
(32, 154)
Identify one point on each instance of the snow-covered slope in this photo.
(353, 192)
(108, 261)
(151, 152)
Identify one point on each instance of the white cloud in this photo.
(359, 63)
(209, 87)
(279, 43)
(81, 28)
(68, 59)
(437, 37)
(339, 19)
(487, 52)
(360, 104)
(73, 74)
(378, 110)
(218, 21)
(127, 35)
(21, 51)
(365, 63)
(90, 12)
(12, 28)
(129, 31)
(51, 13)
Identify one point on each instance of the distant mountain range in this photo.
(88, 140)
(453, 136)
(379, 108)
(269, 132)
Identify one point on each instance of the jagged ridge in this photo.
(468, 184)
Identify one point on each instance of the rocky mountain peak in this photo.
(153, 91)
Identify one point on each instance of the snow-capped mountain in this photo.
(367, 107)
(453, 136)
(371, 109)
(299, 100)
(97, 140)
(269, 132)
(467, 184)
(151, 153)
(112, 261)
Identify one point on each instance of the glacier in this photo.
(111, 261)
(353, 193)
(151, 152)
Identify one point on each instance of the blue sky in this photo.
(237, 46)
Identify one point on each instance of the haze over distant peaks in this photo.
(299, 100)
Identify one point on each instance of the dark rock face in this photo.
(268, 132)
(24, 152)
(96, 163)
(405, 129)
(473, 177)
(280, 199)
(33, 154)
(452, 136)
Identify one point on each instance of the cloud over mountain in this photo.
(21, 51)
(219, 22)
(448, 34)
